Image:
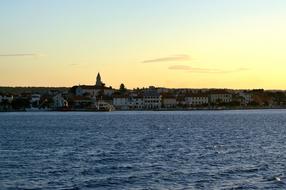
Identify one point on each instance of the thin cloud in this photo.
(78, 65)
(169, 59)
(22, 55)
(74, 64)
(180, 67)
(204, 70)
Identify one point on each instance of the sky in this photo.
(236, 44)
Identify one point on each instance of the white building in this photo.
(94, 90)
(121, 102)
(136, 102)
(132, 102)
(152, 100)
(197, 99)
(59, 101)
(220, 96)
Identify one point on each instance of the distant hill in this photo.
(40, 90)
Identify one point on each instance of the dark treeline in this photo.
(19, 90)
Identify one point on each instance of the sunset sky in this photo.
(170, 43)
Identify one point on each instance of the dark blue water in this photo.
(143, 150)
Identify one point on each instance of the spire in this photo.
(98, 80)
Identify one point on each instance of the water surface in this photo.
(143, 150)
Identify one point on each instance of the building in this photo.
(82, 102)
(151, 99)
(136, 102)
(246, 97)
(93, 91)
(99, 89)
(8, 98)
(35, 99)
(121, 102)
(220, 96)
(128, 102)
(59, 101)
(181, 100)
(103, 105)
(99, 83)
(197, 99)
(169, 101)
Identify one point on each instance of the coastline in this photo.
(159, 110)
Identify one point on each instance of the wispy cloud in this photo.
(205, 70)
(74, 64)
(22, 55)
(79, 65)
(182, 57)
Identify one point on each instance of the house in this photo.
(220, 96)
(8, 98)
(151, 99)
(169, 101)
(246, 97)
(59, 101)
(198, 99)
(104, 105)
(181, 100)
(82, 102)
(35, 99)
(136, 102)
(121, 102)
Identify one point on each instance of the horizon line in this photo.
(203, 88)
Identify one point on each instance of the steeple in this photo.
(98, 80)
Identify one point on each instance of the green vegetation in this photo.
(41, 90)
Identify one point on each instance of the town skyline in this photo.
(166, 43)
(101, 97)
(98, 75)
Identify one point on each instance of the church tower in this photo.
(98, 80)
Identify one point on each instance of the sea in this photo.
(179, 150)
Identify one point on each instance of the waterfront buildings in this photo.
(197, 99)
(122, 102)
(220, 96)
(137, 102)
(169, 101)
(90, 97)
(152, 99)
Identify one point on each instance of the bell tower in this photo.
(98, 80)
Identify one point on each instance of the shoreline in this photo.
(157, 110)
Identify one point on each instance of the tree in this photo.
(20, 103)
(122, 88)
